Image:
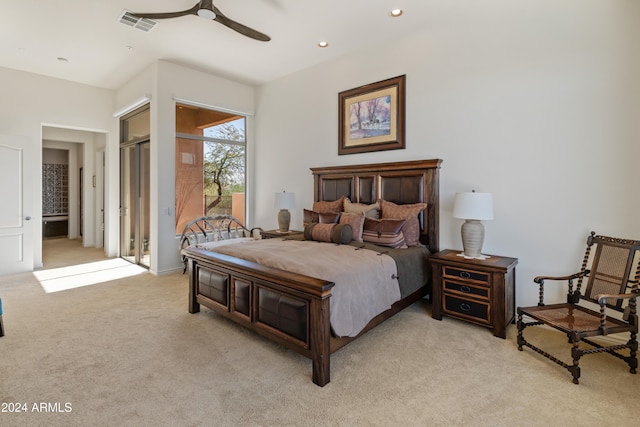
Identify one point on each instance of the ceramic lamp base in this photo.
(284, 219)
(472, 238)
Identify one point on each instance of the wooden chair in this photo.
(607, 265)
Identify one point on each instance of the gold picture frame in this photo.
(372, 117)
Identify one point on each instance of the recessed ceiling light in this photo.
(62, 59)
(323, 43)
(395, 13)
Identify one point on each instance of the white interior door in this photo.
(16, 215)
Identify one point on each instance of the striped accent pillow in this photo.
(409, 213)
(384, 232)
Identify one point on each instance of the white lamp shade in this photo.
(473, 205)
(284, 200)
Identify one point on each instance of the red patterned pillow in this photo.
(329, 207)
(384, 232)
(410, 214)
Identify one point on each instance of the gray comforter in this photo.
(366, 281)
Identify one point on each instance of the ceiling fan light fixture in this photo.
(206, 13)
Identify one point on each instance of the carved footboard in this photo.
(288, 308)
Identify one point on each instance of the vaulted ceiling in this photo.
(83, 40)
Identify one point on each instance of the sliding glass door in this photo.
(135, 179)
(134, 203)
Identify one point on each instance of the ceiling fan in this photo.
(206, 9)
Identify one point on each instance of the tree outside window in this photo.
(210, 164)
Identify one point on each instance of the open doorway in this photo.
(72, 194)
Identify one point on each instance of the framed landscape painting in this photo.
(371, 117)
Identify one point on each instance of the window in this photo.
(210, 164)
(135, 126)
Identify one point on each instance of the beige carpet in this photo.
(127, 352)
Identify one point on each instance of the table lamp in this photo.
(283, 201)
(473, 207)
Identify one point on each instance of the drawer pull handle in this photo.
(465, 289)
(465, 307)
(465, 274)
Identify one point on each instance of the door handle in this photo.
(27, 218)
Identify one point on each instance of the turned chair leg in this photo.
(576, 354)
(520, 328)
(633, 358)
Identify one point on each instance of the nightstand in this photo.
(270, 234)
(478, 291)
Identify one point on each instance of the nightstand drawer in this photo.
(473, 310)
(481, 291)
(467, 289)
(465, 274)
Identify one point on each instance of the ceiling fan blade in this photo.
(242, 29)
(206, 9)
(192, 11)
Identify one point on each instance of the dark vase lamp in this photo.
(284, 201)
(473, 207)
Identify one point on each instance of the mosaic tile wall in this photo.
(55, 189)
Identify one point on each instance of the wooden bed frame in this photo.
(292, 309)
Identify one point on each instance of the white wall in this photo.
(634, 112)
(528, 100)
(31, 102)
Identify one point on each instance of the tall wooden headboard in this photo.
(401, 183)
